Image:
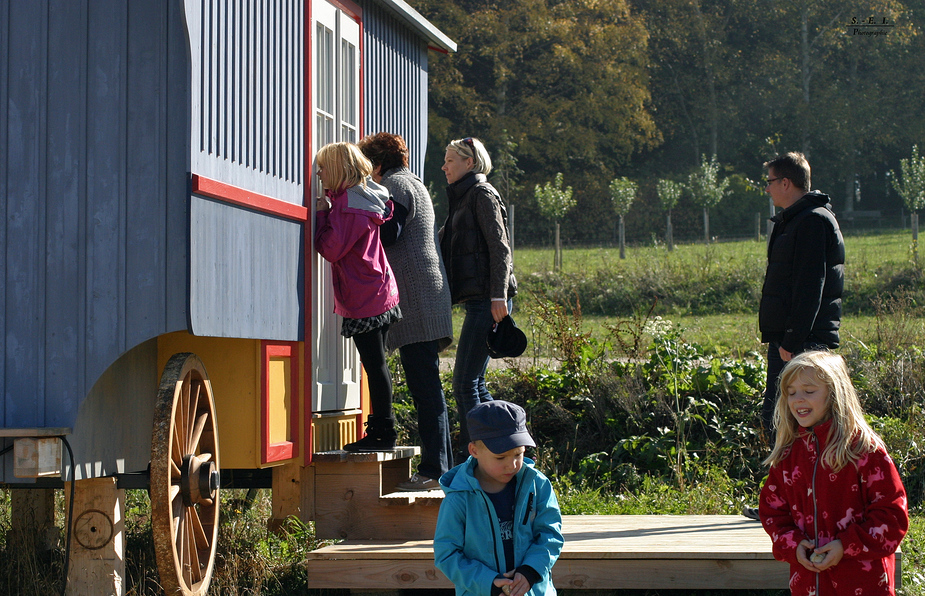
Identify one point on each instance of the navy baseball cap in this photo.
(501, 425)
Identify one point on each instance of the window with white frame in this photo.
(335, 66)
(337, 74)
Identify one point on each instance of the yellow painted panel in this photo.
(280, 398)
(233, 366)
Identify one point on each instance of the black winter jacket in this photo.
(474, 242)
(801, 298)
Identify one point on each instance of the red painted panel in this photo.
(274, 452)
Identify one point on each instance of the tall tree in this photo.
(622, 195)
(554, 202)
(707, 189)
(910, 185)
(669, 192)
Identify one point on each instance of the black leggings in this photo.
(371, 346)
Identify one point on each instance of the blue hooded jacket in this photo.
(467, 542)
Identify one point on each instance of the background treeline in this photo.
(601, 89)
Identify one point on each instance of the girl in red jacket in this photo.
(365, 290)
(833, 503)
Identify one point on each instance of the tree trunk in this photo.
(806, 74)
(622, 240)
(558, 255)
(706, 226)
(915, 237)
(669, 233)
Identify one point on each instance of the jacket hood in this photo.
(810, 200)
(462, 477)
(372, 199)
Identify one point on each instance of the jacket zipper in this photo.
(529, 508)
(494, 537)
(815, 503)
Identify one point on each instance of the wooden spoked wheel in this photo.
(185, 477)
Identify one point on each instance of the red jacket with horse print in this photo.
(864, 506)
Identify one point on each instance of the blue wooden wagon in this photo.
(156, 188)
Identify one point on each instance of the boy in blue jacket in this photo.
(499, 528)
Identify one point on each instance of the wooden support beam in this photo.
(287, 495)
(32, 523)
(97, 565)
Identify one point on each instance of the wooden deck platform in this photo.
(601, 552)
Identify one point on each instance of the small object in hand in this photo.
(506, 588)
(817, 558)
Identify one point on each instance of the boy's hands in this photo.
(517, 586)
(504, 584)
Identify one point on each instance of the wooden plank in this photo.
(23, 283)
(98, 527)
(600, 552)
(32, 522)
(64, 201)
(399, 452)
(348, 506)
(34, 432)
(287, 494)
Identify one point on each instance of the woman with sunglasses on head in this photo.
(480, 267)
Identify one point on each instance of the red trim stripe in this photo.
(245, 198)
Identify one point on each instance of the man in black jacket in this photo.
(801, 298)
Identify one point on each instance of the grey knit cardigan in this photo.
(415, 259)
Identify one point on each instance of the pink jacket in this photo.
(347, 236)
(863, 506)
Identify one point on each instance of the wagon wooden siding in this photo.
(247, 132)
(118, 122)
(395, 92)
(93, 165)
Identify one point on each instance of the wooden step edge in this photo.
(339, 455)
(405, 498)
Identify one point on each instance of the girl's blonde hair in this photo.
(850, 437)
(345, 164)
(472, 147)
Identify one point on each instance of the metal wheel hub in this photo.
(198, 481)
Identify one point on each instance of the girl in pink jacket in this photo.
(365, 291)
(833, 503)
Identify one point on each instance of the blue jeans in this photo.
(471, 362)
(421, 363)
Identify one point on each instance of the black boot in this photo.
(380, 436)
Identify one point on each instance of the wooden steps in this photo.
(355, 497)
(601, 552)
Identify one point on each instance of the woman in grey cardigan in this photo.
(427, 326)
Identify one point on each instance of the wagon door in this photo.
(335, 107)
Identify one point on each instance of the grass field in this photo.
(876, 267)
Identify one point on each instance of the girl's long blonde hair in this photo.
(345, 163)
(850, 437)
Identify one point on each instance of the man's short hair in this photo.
(792, 165)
